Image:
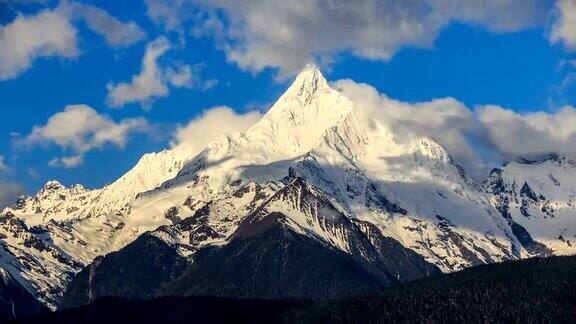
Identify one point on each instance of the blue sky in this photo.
(522, 66)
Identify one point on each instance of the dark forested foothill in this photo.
(533, 290)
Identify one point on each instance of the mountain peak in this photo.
(308, 82)
(310, 70)
(53, 185)
(301, 116)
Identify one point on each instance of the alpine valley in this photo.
(312, 201)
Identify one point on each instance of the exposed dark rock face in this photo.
(15, 301)
(528, 193)
(268, 256)
(532, 246)
(135, 271)
(495, 185)
(276, 263)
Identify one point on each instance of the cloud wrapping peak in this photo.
(79, 129)
(289, 34)
(478, 139)
(446, 120)
(217, 121)
(530, 135)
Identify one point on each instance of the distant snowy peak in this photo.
(540, 196)
(308, 83)
(53, 201)
(151, 171)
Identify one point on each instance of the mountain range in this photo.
(315, 200)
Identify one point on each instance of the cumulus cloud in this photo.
(115, 32)
(66, 161)
(477, 139)
(146, 85)
(154, 79)
(9, 193)
(289, 34)
(564, 26)
(495, 15)
(52, 32)
(79, 129)
(180, 75)
(530, 135)
(446, 120)
(29, 37)
(213, 122)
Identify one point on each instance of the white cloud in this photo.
(213, 122)
(9, 193)
(529, 135)
(179, 76)
(446, 120)
(145, 86)
(66, 161)
(476, 139)
(564, 26)
(154, 79)
(79, 129)
(29, 37)
(115, 32)
(188, 76)
(495, 15)
(289, 34)
(52, 32)
(166, 12)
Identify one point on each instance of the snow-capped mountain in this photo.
(539, 197)
(49, 237)
(313, 165)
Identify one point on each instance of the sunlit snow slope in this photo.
(335, 176)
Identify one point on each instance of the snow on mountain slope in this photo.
(263, 153)
(410, 191)
(50, 236)
(32, 259)
(540, 196)
(56, 202)
(53, 201)
(151, 171)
